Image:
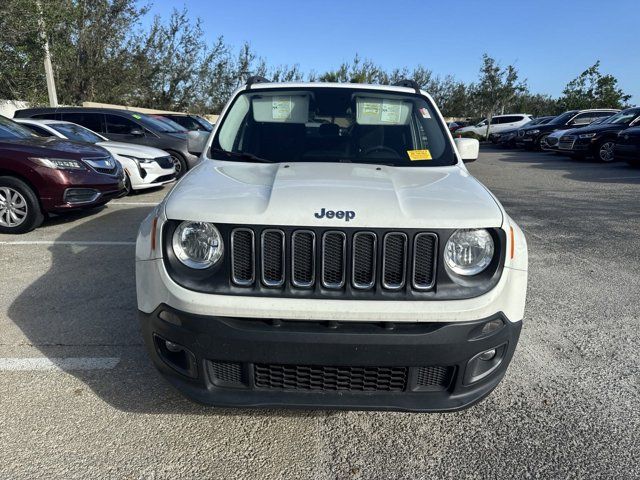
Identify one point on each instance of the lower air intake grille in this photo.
(324, 378)
(227, 374)
(434, 377)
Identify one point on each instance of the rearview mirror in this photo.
(136, 132)
(468, 149)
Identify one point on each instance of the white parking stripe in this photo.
(60, 364)
(80, 243)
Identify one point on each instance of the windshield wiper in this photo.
(248, 157)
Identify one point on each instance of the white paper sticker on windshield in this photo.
(390, 112)
(425, 113)
(281, 108)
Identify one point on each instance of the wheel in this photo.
(542, 139)
(179, 163)
(605, 152)
(19, 207)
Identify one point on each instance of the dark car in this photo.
(508, 138)
(453, 126)
(126, 126)
(530, 137)
(628, 145)
(599, 140)
(42, 175)
(190, 122)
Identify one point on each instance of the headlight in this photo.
(59, 163)
(138, 159)
(587, 135)
(532, 132)
(469, 252)
(197, 244)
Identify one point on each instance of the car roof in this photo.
(41, 121)
(78, 109)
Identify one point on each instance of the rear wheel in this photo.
(605, 152)
(19, 207)
(179, 163)
(541, 141)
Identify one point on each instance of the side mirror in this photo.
(468, 148)
(136, 132)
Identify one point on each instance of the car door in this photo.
(496, 125)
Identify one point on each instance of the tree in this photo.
(496, 87)
(592, 89)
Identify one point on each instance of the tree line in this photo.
(101, 53)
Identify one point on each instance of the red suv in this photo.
(43, 175)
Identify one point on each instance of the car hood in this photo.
(292, 194)
(603, 127)
(52, 146)
(133, 150)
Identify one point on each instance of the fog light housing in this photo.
(80, 195)
(484, 364)
(176, 356)
(485, 356)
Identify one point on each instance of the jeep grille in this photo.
(331, 260)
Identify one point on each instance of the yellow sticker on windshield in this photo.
(419, 155)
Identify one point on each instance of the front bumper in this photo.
(630, 153)
(243, 362)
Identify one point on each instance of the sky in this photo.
(550, 42)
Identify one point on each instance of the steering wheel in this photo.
(381, 149)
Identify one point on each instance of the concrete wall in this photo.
(8, 107)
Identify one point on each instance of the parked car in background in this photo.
(499, 123)
(196, 134)
(144, 167)
(50, 175)
(125, 126)
(507, 138)
(599, 140)
(531, 137)
(453, 126)
(628, 145)
(190, 122)
(550, 142)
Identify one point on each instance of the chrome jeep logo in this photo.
(345, 215)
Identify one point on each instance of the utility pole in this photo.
(48, 68)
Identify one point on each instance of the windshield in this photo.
(625, 117)
(206, 124)
(563, 118)
(10, 130)
(157, 123)
(188, 122)
(76, 132)
(333, 125)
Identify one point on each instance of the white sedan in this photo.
(145, 167)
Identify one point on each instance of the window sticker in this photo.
(281, 108)
(425, 113)
(390, 112)
(136, 116)
(415, 155)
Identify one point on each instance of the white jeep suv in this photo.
(332, 250)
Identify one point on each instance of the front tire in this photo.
(19, 207)
(179, 163)
(606, 151)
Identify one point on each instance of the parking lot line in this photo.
(61, 364)
(142, 204)
(81, 243)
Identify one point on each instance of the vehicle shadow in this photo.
(583, 170)
(84, 305)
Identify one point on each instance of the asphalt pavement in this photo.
(80, 399)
